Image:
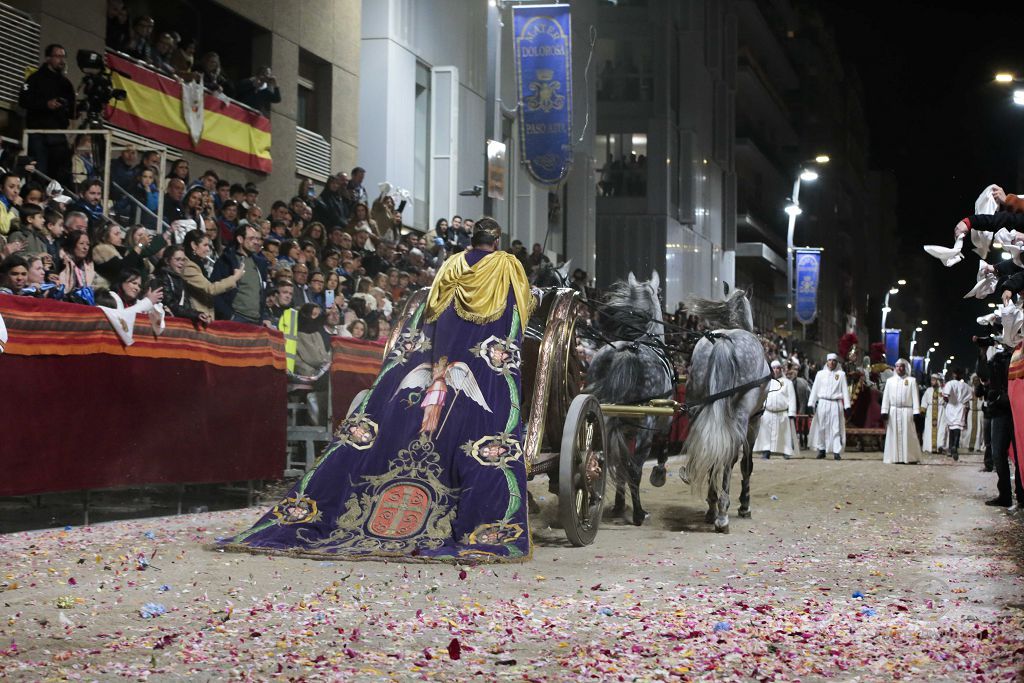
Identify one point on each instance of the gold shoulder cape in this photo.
(480, 292)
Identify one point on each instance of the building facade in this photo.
(312, 48)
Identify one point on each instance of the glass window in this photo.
(621, 160)
(626, 70)
(421, 148)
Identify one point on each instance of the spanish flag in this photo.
(153, 109)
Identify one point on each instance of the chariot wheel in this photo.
(582, 470)
(356, 401)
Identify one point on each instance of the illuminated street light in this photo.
(901, 282)
(894, 290)
(808, 176)
(793, 210)
(1004, 77)
(924, 322)
(822, 159)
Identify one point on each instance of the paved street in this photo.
(850, 569)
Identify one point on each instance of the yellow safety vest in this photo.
(289, 326)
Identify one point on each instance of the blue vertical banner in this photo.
(543, 58)
(808, 268)
(917, 362)
(892, 346)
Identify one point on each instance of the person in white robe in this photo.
(830, 399)
(974, 433)
(900, 403)
(777, 432)
(956, 395)
(934, 437)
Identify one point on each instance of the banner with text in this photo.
(543, 59)
(892, 346)
(808, 267)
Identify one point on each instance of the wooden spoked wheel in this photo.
(582, 471)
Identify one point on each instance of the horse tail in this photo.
(615, 376)
(732, 314)
(715, 438)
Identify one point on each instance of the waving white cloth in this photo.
(949, 257)
(986, 283)
(1009, 240)
(1012, 318)
(3, 334)
(123, 319)
(986, 201)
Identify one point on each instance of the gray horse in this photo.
(633, 368)
(724, 428)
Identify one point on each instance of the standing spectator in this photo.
(387, 219)
(143, 189)
(129, 288)
(536, 257)
(317, 283)
(184, 56)
(213, 77)
(307, 190)
(300, 273)
(360, 217)
(245, 304)
(995, 371)
(279, 302)
(49, 99)
(330, 208)
(201, 291)
(124, 171)
(138, 42)
(180, 169)
(118, 29)
(357, 193)
(228, 221)
(259, 91)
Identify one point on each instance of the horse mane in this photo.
(732, 314)
(636, 303)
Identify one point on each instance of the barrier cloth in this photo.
(354, 366)
(86, 412)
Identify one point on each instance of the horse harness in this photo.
(693, 410)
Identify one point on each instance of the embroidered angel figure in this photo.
(436, 380)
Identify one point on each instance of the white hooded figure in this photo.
(777, 433)
(934, 437)
(830, 398)
(957, 395)
(900, 403)
(974, 433)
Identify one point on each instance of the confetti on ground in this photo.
(911, 580)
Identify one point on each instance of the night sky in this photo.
(940, 122)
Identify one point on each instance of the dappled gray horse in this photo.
(633, 368)
(733, 366)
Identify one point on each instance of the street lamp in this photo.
(913, 338)
(793, 210)
(885, 305)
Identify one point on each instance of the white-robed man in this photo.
(777, 433)
(900, 403)
(957, 395)
(934, 437)
(974, 432)
(830, 399)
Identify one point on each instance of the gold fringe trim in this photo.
(371, 557)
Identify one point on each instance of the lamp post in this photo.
(1005, 78)
(806, 174)
(913, 338)
(885, 306)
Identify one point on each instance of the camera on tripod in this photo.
(97, 88)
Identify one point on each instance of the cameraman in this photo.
(48, 99)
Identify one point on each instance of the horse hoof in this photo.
(639, 519)
(709, 516)
(722, 529)
(745, 514)
(658, 475)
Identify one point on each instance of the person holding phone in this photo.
(48, 98)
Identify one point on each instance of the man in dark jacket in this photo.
(995, 371)
(49, 102)
(247, 302)
(330, 207)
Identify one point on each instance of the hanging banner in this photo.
(892, 346)
(808, 267)
(543, 59)
(917, 364)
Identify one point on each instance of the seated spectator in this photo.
(195, 205)
(33, 231)
(124, 172)
(237, 193)
(77, 271)
(315, 233)
(75, 220)
(386, 217)
(138, 45)
(279, 229)
(10, 200)
(108, 255)
(228, 221)
(118, 27)
(289, 251)
(216, 247)
(333, 326)
(310, 251)
(300, 275)
(357, 329)
(90, 202)
(33, 194)
(208, 181)
(259, 91)
(331, 207)
(245, 303)
(180, 169)
(222, 194)
(536, 257)
(163, 53)
(200, 290)
(315, 293)
(213, 77)
(383, 302)
(139, 240)
(13, 274)
(383, 330)
(184, 56)
(252, 197)
(175, 294)
(83, 165)
(360, 217)
(356, 193)
(174, 210)
(37, 283)
(129, 286)
(307, 190)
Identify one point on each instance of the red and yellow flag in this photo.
(153, 109)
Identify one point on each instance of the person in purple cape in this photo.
(430, 465)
